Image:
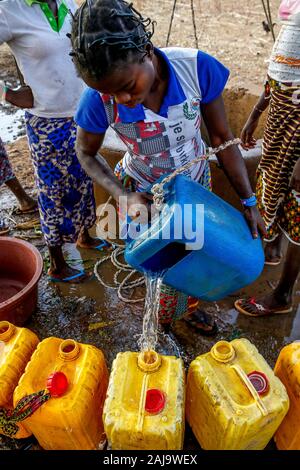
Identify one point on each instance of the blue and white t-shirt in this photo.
(158, 143)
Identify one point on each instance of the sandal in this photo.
(199, 317)
(273, 263)
(85, 277)
(253, 308)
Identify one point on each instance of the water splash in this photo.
(149, 337)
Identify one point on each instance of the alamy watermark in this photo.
(176, 222)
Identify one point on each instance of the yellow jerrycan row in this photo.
(144, 407)
(73, 420)
(287, 368)
(16, 347)
(234, 400)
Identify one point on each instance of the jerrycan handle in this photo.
(251, 389)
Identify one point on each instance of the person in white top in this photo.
(278, 175)
(36, 32)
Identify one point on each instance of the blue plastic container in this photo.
(228, 260)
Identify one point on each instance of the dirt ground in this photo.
(231, 31)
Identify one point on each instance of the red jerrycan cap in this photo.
(259, 381)
(155, 401)
(57, 384)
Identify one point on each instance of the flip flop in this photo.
(258, 310)
(273, 263)
(70, 278)
(99, 247)
(103, 244)
(197, 317)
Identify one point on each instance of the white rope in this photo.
(158, 188)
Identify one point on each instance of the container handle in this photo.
(251, 389)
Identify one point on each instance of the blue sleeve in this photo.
(212, 77)
(90, 114)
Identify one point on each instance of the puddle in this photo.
(12, 124)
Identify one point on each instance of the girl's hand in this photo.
(248, 141)
(295, 180)
(22, 97)
(255, 221)
(138, 205)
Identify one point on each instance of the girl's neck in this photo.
(161, 72)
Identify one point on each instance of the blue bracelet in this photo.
(250, 201)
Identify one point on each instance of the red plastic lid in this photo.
(57, 384)
(155, 401)
(259, 381)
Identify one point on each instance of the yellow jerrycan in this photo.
(16, 347)
(144, 407)
(74, 376)
(287, 368)
(234, 401)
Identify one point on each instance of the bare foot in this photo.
(28, 204)
(68, 274)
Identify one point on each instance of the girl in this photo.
(278, 174)
(36, 33)
(154, 99)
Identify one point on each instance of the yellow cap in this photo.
(223, 351)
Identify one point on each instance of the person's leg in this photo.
(273, 253)
(26, 202)
(175, 305)
(86, 241)
(280, 300)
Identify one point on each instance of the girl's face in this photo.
(130, 84)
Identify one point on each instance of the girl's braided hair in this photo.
(106, 33)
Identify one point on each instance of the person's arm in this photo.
(21, 97)
(248, 141)
(87, 148)
(231, 159)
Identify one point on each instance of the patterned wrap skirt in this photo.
(278, 202)
(65, 192)
(6, 172)
(173, 304)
